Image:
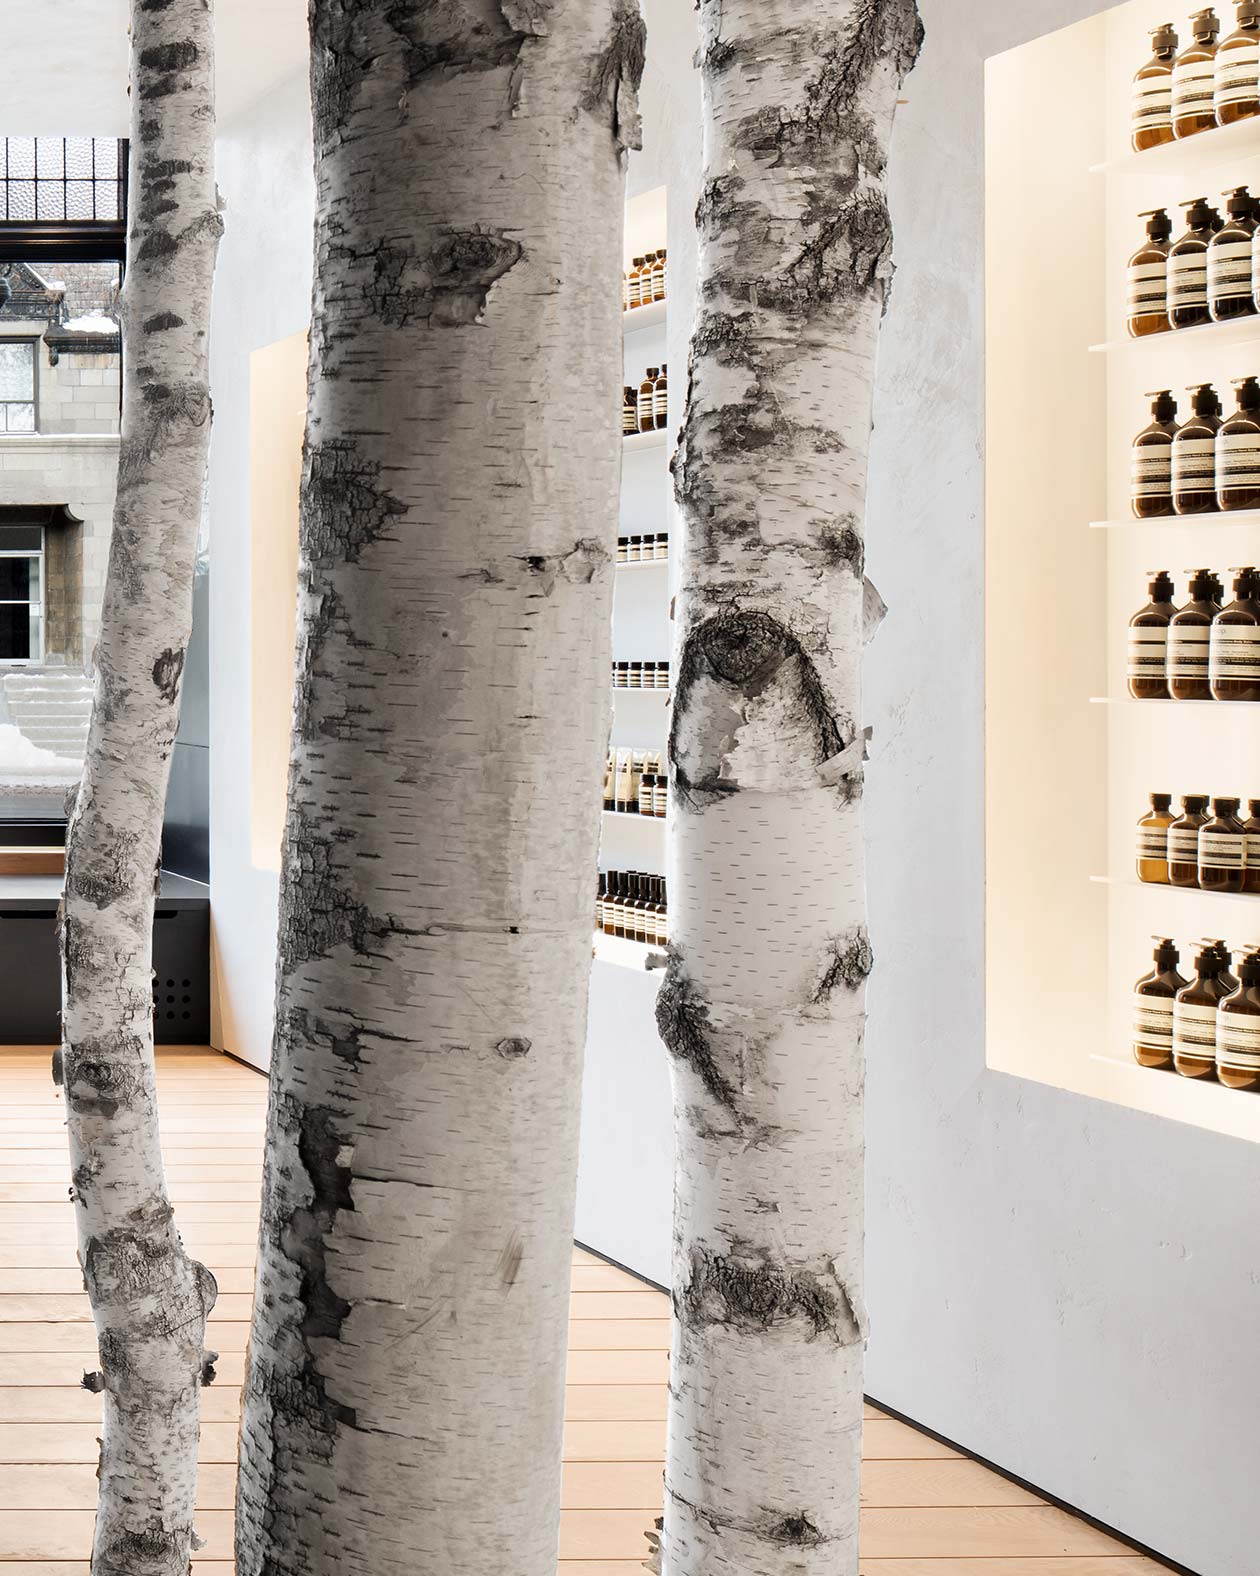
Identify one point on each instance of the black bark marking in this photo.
(840, 544)
(180, 56)
(747, 1290)
(795, 1532)
(618, 71)
(105, 875)
(131, 1550)
(331, 716)
(848, 255)
(324, 912)
(208, 1371)
(156, 245)
(727, 339)
(58, 1071)
(449, 286)
(345, 509)
(298, 1026)
(682, 1021)
(165, 406)
(168, 671)
(510, 1259)
(95, 1382)
(514, 1047)
(161, 322)
(847, 967)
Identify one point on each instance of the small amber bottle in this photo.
(1154, 996)
(1150, 472)
(1222, 849)
(1187, 266)
(1229, 259)
(1238, 1027)
(660, 399)
(1234, 645)
(658, 276)
(1152, 92)
(1237, 92)
(1152, 840)
(647, 396)
(634, 283)
(1148, 277)
(1194, 77)
(1189, 639)
(1194, 1016)
(629, 410)
(1148, 641)
(1194, 454)
(1238, 451)
(1183, 841)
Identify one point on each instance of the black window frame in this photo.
(33, 341)
(45, 241)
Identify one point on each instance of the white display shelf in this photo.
(634, 815)
(625, 954)
(1237, 331)
(1213, 517)
(1204, 151)
(1200, 1101)
(638, 442)
(637, 318)
(1166, 887)
(1233, 706)
(654, 694)
(662, 563)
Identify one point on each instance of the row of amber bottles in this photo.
(1201, 651)
(1210, 275)
(1203, 465)
(1208, 1027)
(632, 905)
(1208, 83)
(644, 281)
(1214, 853)
(634, 783)
(646, 408)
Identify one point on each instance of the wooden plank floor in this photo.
(927, 1510)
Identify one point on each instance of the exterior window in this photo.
(17, 385)
(21, 594)
(59, 179)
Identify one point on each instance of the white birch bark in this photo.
(762, 1006)
(149, 1300)
(405, 1385)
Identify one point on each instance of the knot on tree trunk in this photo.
(682, 1021)
(746, 1289)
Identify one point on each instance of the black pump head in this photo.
(1248, 394)
(1240, 204)
(1164, 39)
(1200, 214)
(1166, 954)
(1246, 583)
(1161, 801)
(1248, 11)
(1224, 807)
(1194, 803)
(1204, 586)
(1164, 406)
(1204, 400)
(1158, 224)
(1160, 586)
(1206, 25)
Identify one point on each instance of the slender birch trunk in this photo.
(762, 1006)
(405, 1386)
(150, 1301)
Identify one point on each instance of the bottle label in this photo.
(1234, 652)
(1238, 459)
(1153, 1021)
(1152, 102)
(1238, 1040)
(1183, 845)
(1187, 278)
(1148, 649)
(1152, 842)
(1193, 86)
(1188, 647)
(1148, 288)
(1150, 474)
(660, 402)
(1229, 269)
(1252, 854)
(1194, 1030)
(1237, 72)
(1194, 463)
(1221, 850)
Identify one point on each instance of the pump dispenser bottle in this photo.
(1251, 858)
(1222, 844)
(1194, 454)
(1152, 840)
(1154, 997)
(1237, 92)
(1148, 277)
(1229, 262)
(1187, 266)
(1194, 1016)
(1189, 639)
(1238, 451)
(1148, 641)
(1150, 471)
(1183, 841)
(1238, 1027)
(1194, 77)
(1152, 92)
(1234, 645)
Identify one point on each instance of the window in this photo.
(55, 179)
(21, 593)
(17, 385)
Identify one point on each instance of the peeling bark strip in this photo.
(458, 531)
(150, 1301)
(762, 1008)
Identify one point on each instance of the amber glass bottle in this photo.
(1183, 841)
(658, 276)
(1152, 92)
(660, 398)
(1238, 451)
(1150, 471)
(629, 410)
(1194, 454)
(1222, 845)
(634, 283)
(1229, 259)
(1194, 1016)
(647, 391)
(1152, 840)
(1234, 646)
(1237, 92)
(1148, 641)
(1194, 77)
(1229, 981)
(1148, 277)
(1154, 996)
(1187, 266)
(1251, 858)
(1238, 1028)
(1189, 639)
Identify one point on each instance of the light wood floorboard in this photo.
(927, 1510)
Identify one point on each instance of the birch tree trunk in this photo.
(762, 1007)
(150, 1301)
(405, 1384)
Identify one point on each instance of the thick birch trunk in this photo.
(150, 1301)
(405, 1385)
(763, 1004)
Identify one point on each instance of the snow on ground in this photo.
(20, 758)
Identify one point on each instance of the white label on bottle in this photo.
(1148, 288)
(1229, 269)
(1193, 86)
(1238, 459)
(1194, 464)
(1188, 647)
(1148, 649)
(1153, 1021)
(1237, 72)
(1221, 850)
(1194, 1030)
(659, 403)
(1238, 1039)
(1152, 842)
(1234, 652)
(1151, 471)
(1152, 101)
(1187, 278)
(1183, 845)
(1253, 851)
